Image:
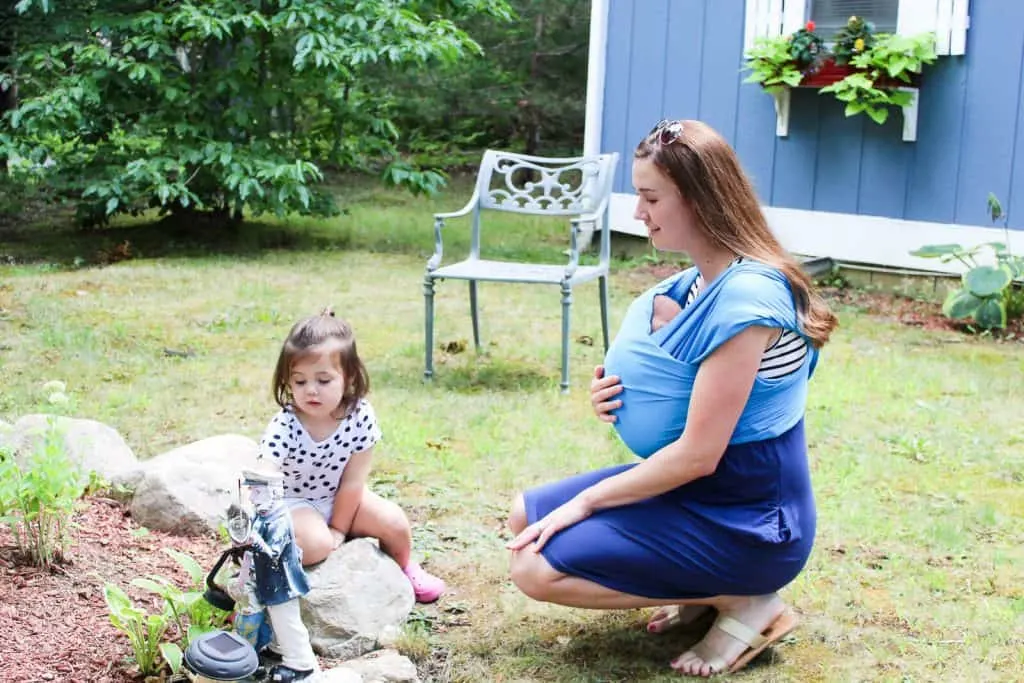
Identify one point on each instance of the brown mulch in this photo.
(54, 624)
(914, 312)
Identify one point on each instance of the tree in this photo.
(527, 91)
(216, 106)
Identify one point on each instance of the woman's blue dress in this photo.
(748, 528)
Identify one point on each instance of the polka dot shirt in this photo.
(312, 469)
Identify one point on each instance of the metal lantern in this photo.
(221, 656)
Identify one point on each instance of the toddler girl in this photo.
(322, 442)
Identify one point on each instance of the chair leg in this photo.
(603, 289)
(566, 308)
(475, 313)
(428, 295)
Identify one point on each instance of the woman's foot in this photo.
(681, 616)
(742, 630)
(426, 587)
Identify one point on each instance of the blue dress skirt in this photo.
(747, 529)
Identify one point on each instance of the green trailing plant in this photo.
(39, 489)
(771, 65)
(891, 62)
(782, 61)
(987, 292)
(853, 39)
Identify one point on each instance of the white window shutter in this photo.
(794, 15)
(770, 18)
(948, 19)
(961, 20)
(916, 16)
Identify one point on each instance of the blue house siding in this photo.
(683, 59)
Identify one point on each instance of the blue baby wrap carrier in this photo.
(658, 369)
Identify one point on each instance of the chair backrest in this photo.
(568, 186)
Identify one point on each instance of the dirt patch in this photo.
(55, 623)
(914, 312)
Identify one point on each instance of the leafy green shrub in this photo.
(222, 108)
(987, 292)
(38, 493)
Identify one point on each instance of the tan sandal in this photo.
(756, 642)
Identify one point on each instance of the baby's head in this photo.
(318, 370)
(665, 308)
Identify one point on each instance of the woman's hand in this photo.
(602, 392)
(562, 517)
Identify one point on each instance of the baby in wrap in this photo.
(661, 344)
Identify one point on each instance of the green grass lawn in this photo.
(917, 440)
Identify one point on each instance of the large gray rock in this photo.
(357, 593)
(187, 490)
(341, 674)
(91, 445)
(384, 666)
(6, 435)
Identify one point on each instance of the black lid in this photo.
(222, 656)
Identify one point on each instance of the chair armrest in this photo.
(439, 219)
(461, 212)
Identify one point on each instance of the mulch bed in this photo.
(54, 624)
(914, 312)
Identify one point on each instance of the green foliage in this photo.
(892, 59)
(881, 64)
(806, 46)
(525, 92)
(38, 492)
(221, 107)
(771, 64)
(145, 631)
(185, 609)
(987, 292)
(853, 39)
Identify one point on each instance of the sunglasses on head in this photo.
(666, 132)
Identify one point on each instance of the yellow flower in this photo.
(853, 19)
(858, 44)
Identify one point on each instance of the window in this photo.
(831, 15)
(948, 19)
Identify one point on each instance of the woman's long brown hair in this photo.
(707, 172)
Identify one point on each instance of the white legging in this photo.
(291, 639)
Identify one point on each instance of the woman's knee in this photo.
(517, 516)
(532, 574)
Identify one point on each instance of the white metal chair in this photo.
(577, 188)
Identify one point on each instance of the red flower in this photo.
(810, 26)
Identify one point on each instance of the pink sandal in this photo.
(425, 586)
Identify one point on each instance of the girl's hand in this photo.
(560, 518)
(602, 392)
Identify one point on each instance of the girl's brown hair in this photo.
(708, 174)
(328, 329)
